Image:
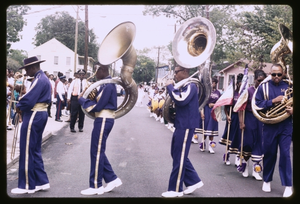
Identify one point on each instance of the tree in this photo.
(62, 27)
(14, 24)
(144, 70)
(260, 31)
(220, 16)
(15, 59)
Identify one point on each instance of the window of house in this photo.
(221, 83)
(230, 77)
(56, 60)
(68, 61)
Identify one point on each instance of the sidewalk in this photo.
(51, 128)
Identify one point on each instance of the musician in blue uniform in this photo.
(33, 108)
(104, 106)
(274, 135)
(187, 119)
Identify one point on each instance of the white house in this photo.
(59, 58)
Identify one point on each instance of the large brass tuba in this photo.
(277, 113)
(192, 46)
(118, 45)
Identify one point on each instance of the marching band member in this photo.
(274, 135)
(75, 89)
(234, 132)
(210, 125)
(252, 143)
(104, 106)
(33, 107)
(187, 119)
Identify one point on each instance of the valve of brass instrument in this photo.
(93, 94)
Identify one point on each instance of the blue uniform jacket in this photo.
(39, 92)
(186, 106)
(106, 98)
(273, 91)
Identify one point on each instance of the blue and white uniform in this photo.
(186, 120)
(104, 106)
(33, 105)
(274, 135)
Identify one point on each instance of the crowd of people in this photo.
(31, 96)
(260, 141)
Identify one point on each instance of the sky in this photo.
(150, 31)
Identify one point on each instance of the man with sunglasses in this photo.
(186, 120)
(274, 135)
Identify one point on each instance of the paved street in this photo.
(138, 149)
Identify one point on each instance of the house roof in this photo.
(266, 68)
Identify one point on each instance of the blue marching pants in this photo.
(100, 166)
(183, 170)
(31, 166)
(275, 135)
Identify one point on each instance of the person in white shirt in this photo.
(76, 87)
(60, 98)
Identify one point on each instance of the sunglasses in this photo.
(176, 72)
(278, 74)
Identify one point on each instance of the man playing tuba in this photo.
(104, 106)
(274, 135)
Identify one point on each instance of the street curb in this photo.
(44, 139)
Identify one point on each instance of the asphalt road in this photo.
(138, 149)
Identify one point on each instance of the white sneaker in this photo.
(256, 176)
(42, 187)
(210, 149)
(266, 187)
(287, 191)
(191, 189)
(113, 184)
(237, 160)
(21, 191)
(246, 172)
(172, 194)
(161, 120)
(194, 140)
(93, 191)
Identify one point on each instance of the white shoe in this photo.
(42, 187)
(93, 191)
(194, 140)
(246, 172)
(287, 191)
(191, 189)
(172, 194)
(210, 149)
(256, 176)
(21, 191)
(227, 162)
(237, 160)
(113, 184)
(266, 187)
(161, 120)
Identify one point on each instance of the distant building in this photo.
(234, 69)
(59, 58)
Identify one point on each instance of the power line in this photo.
(42, 10)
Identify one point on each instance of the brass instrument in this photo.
(93, 93)
(17, 125)
(277, 113)
(192, 46)
(118, 45)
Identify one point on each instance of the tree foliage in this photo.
(144, 70)
(15, 59)
(250, 34)
(14, 23)
(62, 27)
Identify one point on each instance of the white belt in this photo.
(106, 113)
(40, 107)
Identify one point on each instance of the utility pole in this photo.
(76, 36)
(156, 73)
(86, 57)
